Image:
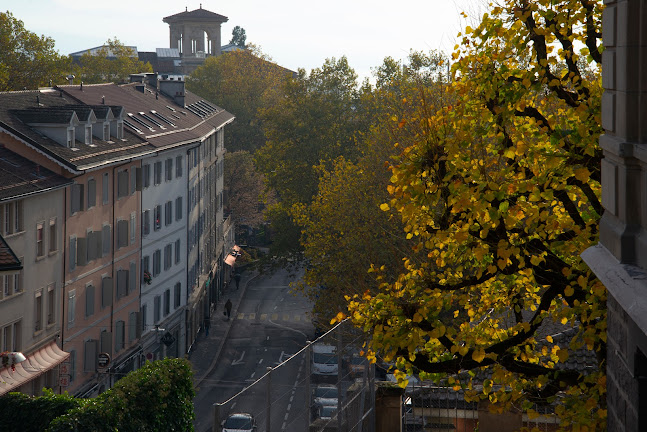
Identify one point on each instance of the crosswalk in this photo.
(273, 317)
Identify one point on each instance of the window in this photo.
(167, 302)
(89, 300)
(146, 174)
(133, 228)
(178, 208)
(168, 213)
(168, 168)
(156, 262)
(76, 202)
(105, 185)
(157, 173)
(11, 335)
(122, 184)
(132, 277)
(51, 304)
(119, 335)
(106, 132)
(88, 135)
(156, 311)
(177, 251)
(178, 166)
(157, 217)
(40, 247)
(177, 292)
(105, 341)
(92, 193)
(71, 308)
(70, 138)
(52, 235)
(72, 253)
(38, 311)
(146, 222)
(122, 283)
(168, 259)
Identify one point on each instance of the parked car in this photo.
(239, 422)
(324, 360)
(327, 412)
(323, 395)
(356, 366)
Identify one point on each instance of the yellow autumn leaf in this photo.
(478, 355)
(384, 207)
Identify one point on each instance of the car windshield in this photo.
(358, 360)
(238, 422)
(328, 411)
(329, 359)
(326, 392)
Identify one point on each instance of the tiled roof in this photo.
(20, 176)
(8, 259)
(163, 122)
(82, 157)
(195, 15)
(45, 115)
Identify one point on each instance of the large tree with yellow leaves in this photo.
(502, 196)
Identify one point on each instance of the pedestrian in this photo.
(207, 324)
(228, 308)
(237, 278)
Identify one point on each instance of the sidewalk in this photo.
(207, 349)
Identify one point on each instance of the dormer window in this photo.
(70, 137)
(88, 135)
(106, 132)
(120, 130)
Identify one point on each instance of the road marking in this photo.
(275, 307)
(253, 373)
(241, 315)
(275, 316)
(286, 417)
(268, 338)
(232, 406)
(292, 397)
(283, 426)
(239, 361)
(260, 361)
(263, 317)
(289, 406)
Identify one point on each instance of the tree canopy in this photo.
(243, 82)
(238, 36)
(26, 59)
(114, 62)
(501, 195)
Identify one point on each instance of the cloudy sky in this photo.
(295, 34)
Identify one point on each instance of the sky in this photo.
(295, 34)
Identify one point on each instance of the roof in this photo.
(8, 259)
(195, 15)
(21, 177)
(168, 52)
(156, 117)
(95, 51)
(18, 109)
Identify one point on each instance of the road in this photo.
(272, 324)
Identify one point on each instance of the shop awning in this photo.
(230, 260)
(37, 363)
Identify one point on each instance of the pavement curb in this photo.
(234, 313)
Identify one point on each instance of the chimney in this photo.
(174, 90)
(151, 79)
(70, 79)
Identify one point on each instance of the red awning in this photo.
(37, 363)
(230, 260)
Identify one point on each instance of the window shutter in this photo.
(122, 233)
(81, 251)
(90, 357)
(92, 193)
(138, 179)
(132, 326)
(122, 283)
(122, 184)
(106, 291)
(89, 300)
(140, 324)
(119, 336)
(106, 342)
(146, 222)
(132, 282)
(106, 239)
(72, 253)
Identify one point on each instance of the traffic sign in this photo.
(168, 339)
(103, 360)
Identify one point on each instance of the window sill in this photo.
(53, 252)
(15, 234)
(40, 257)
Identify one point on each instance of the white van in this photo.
(324, 360)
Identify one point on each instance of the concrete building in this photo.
(31, 221)
(620, 259)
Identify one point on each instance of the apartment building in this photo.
(31, 219)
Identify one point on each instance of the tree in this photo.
(243, 82)
(501, 195)
(26, 59)
(114, 62)
(246, 198)
(314, 122)
(343, 229)
(238, 36)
